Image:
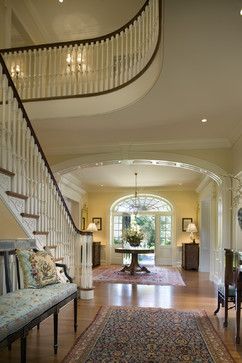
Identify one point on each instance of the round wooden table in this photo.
(135, 252)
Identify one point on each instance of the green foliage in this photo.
(147, 224)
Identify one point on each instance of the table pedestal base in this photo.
(134, 266)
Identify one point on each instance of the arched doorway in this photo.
(156, 220)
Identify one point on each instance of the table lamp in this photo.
(92, 227)
(191, 228)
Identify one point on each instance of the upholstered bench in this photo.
(25, 308)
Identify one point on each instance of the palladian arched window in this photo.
(152, 213)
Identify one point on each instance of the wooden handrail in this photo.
(81, 41)
(20, 105)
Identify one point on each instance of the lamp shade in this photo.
(191, 228)
(92, 227)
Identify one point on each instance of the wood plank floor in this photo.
(199, 293)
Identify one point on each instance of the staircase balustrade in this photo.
(87, 67)
(32, 181)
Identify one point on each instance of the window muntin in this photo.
(165, 230)
(123, 217)
(145, 204)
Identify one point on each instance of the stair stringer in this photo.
(17, 206)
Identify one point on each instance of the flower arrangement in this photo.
(133, 236)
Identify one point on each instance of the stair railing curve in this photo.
(88, 67)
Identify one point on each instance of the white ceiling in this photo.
(107, 177)
(200, 77)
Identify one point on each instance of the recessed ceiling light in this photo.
(240, 12)
(204, 120)
(101, 185)
(61, 1)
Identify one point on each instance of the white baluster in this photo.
(8, 130)
(101, 72)
(130, 73)
(122, 58)
(66, 69)
(35, 73)
(92, 83)
(30, 76)
(14, 142)
(111, 84)
(97, 67)
(126, 56)
(58, 71)
(143, 39)
(24, 75)
(116, 75)
(23, 155)
(139, 46)
(18, 164)
(134, 55)
(3, 126)
(28, 165)
(107, 67)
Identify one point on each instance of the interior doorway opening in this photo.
(154, 219)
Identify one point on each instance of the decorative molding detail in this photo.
(174, 144)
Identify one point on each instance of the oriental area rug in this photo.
(157, 276)
(150, 335)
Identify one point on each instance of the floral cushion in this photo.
(20, 307)
(38, 268)
(28, 277)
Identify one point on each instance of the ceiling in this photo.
(107, 177)
(200, 78)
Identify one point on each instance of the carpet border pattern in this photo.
(86, 341)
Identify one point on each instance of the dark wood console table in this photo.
(135, 252)
(190, 256)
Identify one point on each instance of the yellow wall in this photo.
(185, 204)
(9, 228)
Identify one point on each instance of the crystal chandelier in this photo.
(136, 206)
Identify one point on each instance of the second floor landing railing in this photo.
(87, 67)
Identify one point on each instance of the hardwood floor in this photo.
(199, 293)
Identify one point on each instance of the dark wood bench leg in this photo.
(23, 349)
(237, 306)
(9, 347)
(55, 332)
(75, 314)
(38, 325)
(219, 303)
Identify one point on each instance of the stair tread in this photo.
(41, 232)
(6, 172)
(59, 259)
(16, 195)
(29, 215)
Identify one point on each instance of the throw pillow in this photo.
(43, 269)
(28, 278)
(39, 268)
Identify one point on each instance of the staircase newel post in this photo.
(86, 288)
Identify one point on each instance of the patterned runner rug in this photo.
(157, 276)
(150, 335)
